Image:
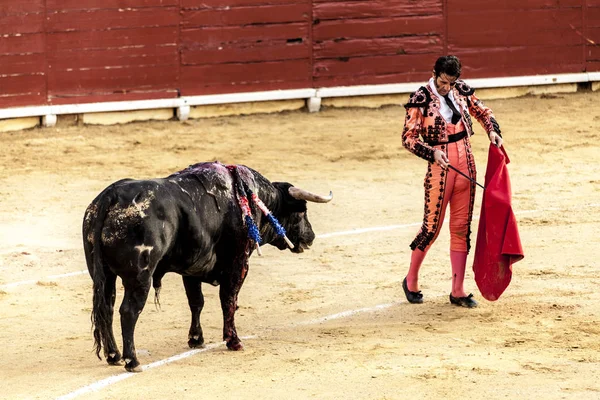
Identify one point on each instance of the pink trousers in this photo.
(446, 187)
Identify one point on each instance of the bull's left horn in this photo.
(301, 194)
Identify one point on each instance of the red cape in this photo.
(498, 242)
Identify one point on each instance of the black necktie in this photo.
(455, 114)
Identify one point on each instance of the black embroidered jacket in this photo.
(424, 122)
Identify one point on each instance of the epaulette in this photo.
(420, 98)
(463, 88)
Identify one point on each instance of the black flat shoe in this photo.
(412, 297)
(466, 301)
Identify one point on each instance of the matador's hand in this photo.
(495, 139)
(439, 157)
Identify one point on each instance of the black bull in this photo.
(190, 223)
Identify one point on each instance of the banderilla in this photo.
(466, 176)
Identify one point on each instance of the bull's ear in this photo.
(282, 187)
(289, 203)
(283, 190)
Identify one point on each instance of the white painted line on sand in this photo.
(94, 387)
(394, 227)
(10, 285)
(49, 277)
(59, 276)
(365, 230)
(345, 314)
(357, 231)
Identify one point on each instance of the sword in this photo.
(466, 176)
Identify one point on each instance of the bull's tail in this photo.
(101, 311)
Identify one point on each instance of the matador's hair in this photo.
(449, 65)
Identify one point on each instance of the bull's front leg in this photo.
(193, 290)
(230, 287)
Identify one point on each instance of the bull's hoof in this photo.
(196, 343)
(133, 366)
(114, 359)
(235, 345)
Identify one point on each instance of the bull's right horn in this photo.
(301, 194)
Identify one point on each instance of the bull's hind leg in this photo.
(111, 350)
(193, 290)
(229, 294)
(134, 299)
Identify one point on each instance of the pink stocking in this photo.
(458, 259)
(412, 278)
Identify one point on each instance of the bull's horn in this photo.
(301, 194)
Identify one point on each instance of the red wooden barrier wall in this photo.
(244, 45)
(121, 50)
(375, 41)
(80, 51)
(516, 37)
(592, 34)
(22, 53)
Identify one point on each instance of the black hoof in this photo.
(114, 359)
(466, 301)
(133, 366)
(235, 345)
(196, 343)
(412, 297)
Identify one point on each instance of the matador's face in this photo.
(444, 83)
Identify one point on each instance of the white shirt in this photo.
(444, 109)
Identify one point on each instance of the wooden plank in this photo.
(379, 27)
(229, 53)
(197, 88)
(460, 6)
(8, 7)
(214, 37)
(592, 53)
(466, 5)
(22, 84)
(21, 23)
(592, 66)
(520, 36)
(112, 19)
(221, 4)
(23, 100)
(530, 21)
(592, 16)
(376, 8)
(22, 64)
(375, 65)
(236, 74)
(124, 57)
(111, 80)
(570, 3)
(592, 3)
(591, 36)
(399, 77)
(378, 46)
(27, 43)
(121, 96)
(112, 39)
(522, 70)
(522, 60)
(248, 15)
(63, 5)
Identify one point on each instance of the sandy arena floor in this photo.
(540, 340)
